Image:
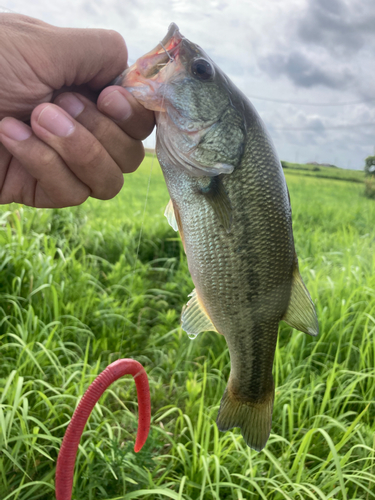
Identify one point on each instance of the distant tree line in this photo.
(370, 174)
(370, 166)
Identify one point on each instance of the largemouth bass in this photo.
(230, 203)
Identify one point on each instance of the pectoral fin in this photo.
(174, 219)
(301, 313)
(169, 214)
(194, 318)
(217, 197)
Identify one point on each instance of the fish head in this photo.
(199, 126)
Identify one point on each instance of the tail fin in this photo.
(253, 417)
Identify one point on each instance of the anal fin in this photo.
(301, 313)
(194, 318)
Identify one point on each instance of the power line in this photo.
(323, 128)
(300, 103)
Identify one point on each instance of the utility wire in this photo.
(332, 127)
(300, 103)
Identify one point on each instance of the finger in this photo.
(135, 120)
(127, 152)
(36, 175)
(5, 158)
(93, 56)
(79, 149)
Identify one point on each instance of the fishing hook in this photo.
(166, 51)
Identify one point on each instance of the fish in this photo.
(230, 203)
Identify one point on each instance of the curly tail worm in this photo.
(69, 447)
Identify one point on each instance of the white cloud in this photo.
(301, 51)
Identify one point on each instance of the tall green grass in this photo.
(81, 287)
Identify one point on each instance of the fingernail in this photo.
(116, 106)
(15, 129)
(55, 121)
(71, 104)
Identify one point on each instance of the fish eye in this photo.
(202, 69)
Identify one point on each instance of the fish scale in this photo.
(230, 203)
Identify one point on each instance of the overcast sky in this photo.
(308, 66)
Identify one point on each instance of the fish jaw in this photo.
(147, 77)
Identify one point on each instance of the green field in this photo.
(328, 172)
(82, 287)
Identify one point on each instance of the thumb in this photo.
(69, 56)
(89, 56)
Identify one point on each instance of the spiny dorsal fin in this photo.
(219, 201)
(301, 313)
(169, 214)
(194, 318)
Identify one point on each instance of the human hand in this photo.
(73, 147)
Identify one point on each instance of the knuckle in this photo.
(112, 189)
(117, 40)
(134, 157)
(127, 152)
(72, 199)
(78, 199)
(46, 157)
(100, 129)
(148, 124)
(67, 193)
(106, 179)
(93, 155)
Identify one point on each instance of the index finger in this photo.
(118, 103)
(68, 56)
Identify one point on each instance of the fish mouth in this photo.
(148, 78)
(148, 67)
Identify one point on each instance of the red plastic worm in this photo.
(69, 447)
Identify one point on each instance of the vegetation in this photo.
(370, 166)
(84, 286)
(370, 177)
(326, 171)
(370, 187)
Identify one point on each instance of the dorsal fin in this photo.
(301, 313)
(194, 318)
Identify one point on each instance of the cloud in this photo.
(301, 51)
(343, 27)
(327, 43)
(303, 71)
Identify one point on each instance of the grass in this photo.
(324, 171)
(77, 293)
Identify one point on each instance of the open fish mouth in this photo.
(147, 77)
(149, 66)
(170, 61)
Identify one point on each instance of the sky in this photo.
(308, 66)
